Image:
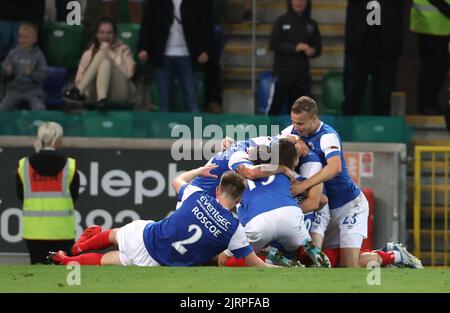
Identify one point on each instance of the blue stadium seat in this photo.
(265, 91)
(53, 85)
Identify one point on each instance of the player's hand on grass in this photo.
(204, 171)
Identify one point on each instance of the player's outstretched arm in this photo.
(253, 260)
(188, 176)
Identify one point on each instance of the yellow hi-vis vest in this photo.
(426, 19)
(48, 210)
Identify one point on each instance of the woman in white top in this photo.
(105, 70)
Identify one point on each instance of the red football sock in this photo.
(386, 257)
(233, 262)
(84, 259)
(333, 255)
(303, 256)
(98, 242)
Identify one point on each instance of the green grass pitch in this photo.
(212, 279)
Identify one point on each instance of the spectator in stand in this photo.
(12, 15)
(105, 71)
(430, 20)
(25, 70)
(371, 50)
(174, 38)
(295, 38)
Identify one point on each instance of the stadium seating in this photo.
(62, 44)
(8, 123)
(380, 129)
(53, 86)
(128, 33)
(108, 124)
(265, 92)
(128, 124)
(27, 122)
(123, 14)
(333, 94)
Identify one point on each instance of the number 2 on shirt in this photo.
(180, 245)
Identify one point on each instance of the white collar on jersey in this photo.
(318, 129)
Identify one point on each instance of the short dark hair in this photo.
(260, 154)
(287, 153)
(305, 104)
(233, 185)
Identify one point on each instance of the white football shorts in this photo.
(130, 239)
(348, 224)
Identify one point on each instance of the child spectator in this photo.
(25, 70)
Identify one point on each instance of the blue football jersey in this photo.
(263, 195)
(196, 232)
(326, 143)
(309, 165)
(228, 160)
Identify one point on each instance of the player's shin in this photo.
(98, 242)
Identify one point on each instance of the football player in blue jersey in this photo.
(349, 208)
(269, 213)
(200, 229)
(236, 158)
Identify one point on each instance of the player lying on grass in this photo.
(269, 213)
(236, 158)
(197, 231)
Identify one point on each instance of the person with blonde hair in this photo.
(47, 183)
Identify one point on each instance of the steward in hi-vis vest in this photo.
(47, 183)
(48, 210)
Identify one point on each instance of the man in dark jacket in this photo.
(371, 50)
(295, 38)
(174, 39)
